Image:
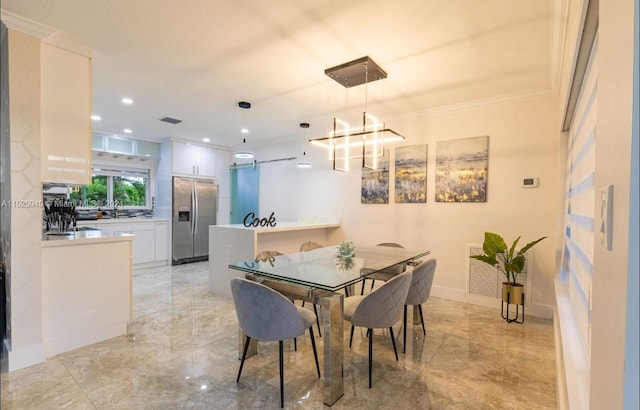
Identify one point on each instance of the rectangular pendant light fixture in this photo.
(366, 142)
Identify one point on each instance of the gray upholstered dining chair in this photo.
(419, 292)
(265, 256)
(264, 314)
(306, 247)
(388, 273)
(309, 246)
(380, 309)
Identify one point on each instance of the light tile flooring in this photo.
(182, 353)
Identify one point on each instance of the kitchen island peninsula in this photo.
(86, 288)
(232, 243)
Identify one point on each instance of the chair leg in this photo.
(295, 344)
(404, 331)
(393, 340)
(244, 356)
(362, 290)
(424, 332)
(373, 281)
(370, 358)
(281, 374)
(315, 352)
(315, 310)
(351, 337)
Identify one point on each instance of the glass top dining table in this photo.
(323, 269)
(319, 274)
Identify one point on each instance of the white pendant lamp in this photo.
(303, 162)
(244, 154)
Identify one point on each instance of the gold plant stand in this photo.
(512, 294)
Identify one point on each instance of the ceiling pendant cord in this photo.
(364, 114)
(244, 153)
(366, 86)
(304, 162)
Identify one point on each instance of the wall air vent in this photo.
(486, 281)
(171, 120)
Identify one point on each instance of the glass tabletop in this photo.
(323, 269)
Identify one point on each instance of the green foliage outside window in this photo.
(111, 191)
(129, 191)
(93, 195)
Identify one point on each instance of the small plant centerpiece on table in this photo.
(346, 249)
(508, 261)
(344, 258)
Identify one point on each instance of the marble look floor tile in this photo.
(181, 352)
(44, 386)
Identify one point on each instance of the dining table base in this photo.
(333, 337)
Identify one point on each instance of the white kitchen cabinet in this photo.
(144, 244)
(86, 292)
(151, 242)
(223, 174)
(193, 160)
(65, 116)
(162, 241)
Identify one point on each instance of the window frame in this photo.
(112, 171)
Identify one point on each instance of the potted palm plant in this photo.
(508, 261)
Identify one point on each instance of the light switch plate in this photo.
(606, 217)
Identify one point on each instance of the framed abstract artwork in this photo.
(461, 170)
(411, 174)
(375, 182)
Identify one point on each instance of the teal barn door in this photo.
(245, 191)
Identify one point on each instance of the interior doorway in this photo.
(245, 190)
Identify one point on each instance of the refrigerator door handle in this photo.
(195, 217)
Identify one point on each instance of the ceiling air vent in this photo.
(171, 120)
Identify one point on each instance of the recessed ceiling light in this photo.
(244, 130)
(96, 117)
(127, 100)
(127, 131)
(206, 140)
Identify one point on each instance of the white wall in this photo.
(26, 283)
(613, 165)
(524, 141)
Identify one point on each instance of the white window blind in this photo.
(579, 208)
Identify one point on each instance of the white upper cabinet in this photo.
(193, 160)
(65, 116)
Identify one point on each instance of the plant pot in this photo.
(513, 293)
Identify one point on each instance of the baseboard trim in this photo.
(23, 357)
(533, 309)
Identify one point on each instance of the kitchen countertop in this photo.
(85, 237)
(286, 226)
(85, 222)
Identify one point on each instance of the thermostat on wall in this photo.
(530, 182)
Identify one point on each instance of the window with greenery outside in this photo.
(111, 188)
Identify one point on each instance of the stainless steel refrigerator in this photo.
(195, 202)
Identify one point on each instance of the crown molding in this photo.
(46, 34)
(476, 104)
(30, 27)
(57, 41)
